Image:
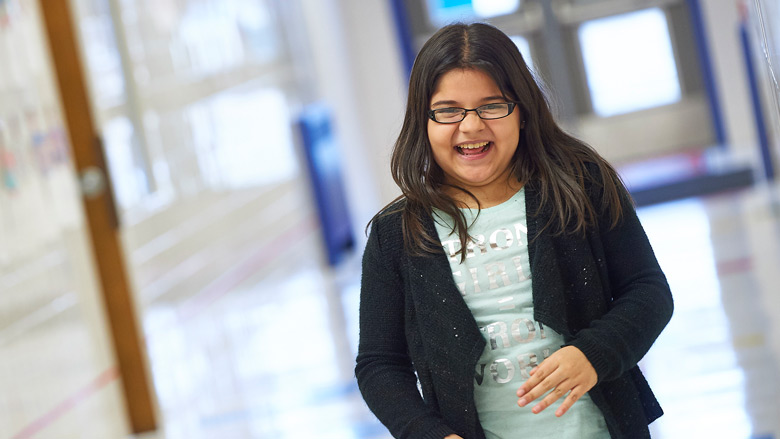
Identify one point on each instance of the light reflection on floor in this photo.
(692, 367)
(270, 354)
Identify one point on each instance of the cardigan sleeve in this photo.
(384, 370)
(641, 303)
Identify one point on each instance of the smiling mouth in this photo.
(473, 148)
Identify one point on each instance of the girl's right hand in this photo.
(453, 436)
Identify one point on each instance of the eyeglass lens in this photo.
(489, 111)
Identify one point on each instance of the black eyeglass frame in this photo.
(432, 113)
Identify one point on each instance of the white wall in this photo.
(721, 22)
(360, 74)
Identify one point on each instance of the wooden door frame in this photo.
(101, 216)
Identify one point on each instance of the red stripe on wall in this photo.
(734, 266)
(69, 403)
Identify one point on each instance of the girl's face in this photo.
(475, 153)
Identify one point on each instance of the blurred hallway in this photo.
(249, 333)
(264, 347)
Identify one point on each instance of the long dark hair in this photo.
(554, 161)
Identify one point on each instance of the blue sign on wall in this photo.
(323, 159)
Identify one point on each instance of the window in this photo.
(442, 12)
(525, 50)
(629, 62)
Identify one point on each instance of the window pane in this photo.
(629, 62)
(525, 50)
(494, 8)
(442, 12)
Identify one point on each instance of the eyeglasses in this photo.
(487, 111)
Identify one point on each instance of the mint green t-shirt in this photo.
(495, 283)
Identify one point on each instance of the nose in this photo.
(472, 122)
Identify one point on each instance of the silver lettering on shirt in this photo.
(496, 330)
(510, 371)
(521, 231)
(508, 306)
(508, 239)
(518, 335)
(474, 278)
(495, 270)
(451, 247)
(461, 285)
(519, 267)
(527, 362)
(502, 375)
(477, 241)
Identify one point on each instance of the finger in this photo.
(551, 382)
(531, 382)
(573, 397)
(526, 391)
(551, 397)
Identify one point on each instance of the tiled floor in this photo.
(250, 337)
(715, 367)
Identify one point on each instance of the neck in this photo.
(488, 197)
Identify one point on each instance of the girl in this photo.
(512, 280)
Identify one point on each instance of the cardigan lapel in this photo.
(438, 302)
(549, 291)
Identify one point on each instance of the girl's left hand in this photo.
(565, 371)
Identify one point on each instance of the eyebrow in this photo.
(455, 103)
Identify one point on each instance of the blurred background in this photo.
(184, 187)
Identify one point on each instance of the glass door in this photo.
(52, 332)
(196, 100)
(61, 368)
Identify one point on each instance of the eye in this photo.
(493, 107)
(448, 111)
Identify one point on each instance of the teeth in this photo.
(473, 145)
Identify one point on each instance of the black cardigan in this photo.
(604, 292)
